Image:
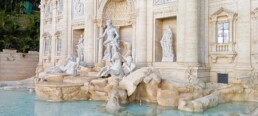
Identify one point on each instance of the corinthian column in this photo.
(89, 33)
(64, 36)
(141, 33)
(53, 39)
(42, 10)
(180, 31)
(191, 31)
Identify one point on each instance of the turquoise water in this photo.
(23, 103)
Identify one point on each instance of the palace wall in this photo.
(237, 58)
(210, 51)
(17, 66)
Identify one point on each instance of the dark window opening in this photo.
(223, 78)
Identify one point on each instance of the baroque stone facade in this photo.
(217, 38)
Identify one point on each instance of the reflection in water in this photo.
(22, 103)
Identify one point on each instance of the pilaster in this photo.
(100, 44)
(191, 31)
(53, 31)
(141, 33)
(244, 68)
(65, 32)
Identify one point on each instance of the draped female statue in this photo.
(167, 46)
(80, 49)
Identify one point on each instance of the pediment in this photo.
(223, 12)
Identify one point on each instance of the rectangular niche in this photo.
(160, 28)
(76, 36)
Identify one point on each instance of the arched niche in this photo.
(121, 12)
(123, 16)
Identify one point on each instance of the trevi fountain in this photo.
(146, 57)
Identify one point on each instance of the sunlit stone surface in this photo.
(206, 58)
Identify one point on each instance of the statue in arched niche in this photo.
(167, 46)
(112, 41)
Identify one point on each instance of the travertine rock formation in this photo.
(130, 82)
(146, 84)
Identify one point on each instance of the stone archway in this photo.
(122, 13)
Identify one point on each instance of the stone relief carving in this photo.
(112, 42)
(60, 7)
(167, 46)
(159, 2)
(165, 12)
(78, 9)
(112, 8)
(120, 11)
(254, 16)
(48, 9)
(128, 66)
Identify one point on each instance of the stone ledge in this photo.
(9, 51)
(59, 91)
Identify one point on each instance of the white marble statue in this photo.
(71, 66)
(80, 49)
(167, 46)
(112, 41)
(116, 68)
(128, 66)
